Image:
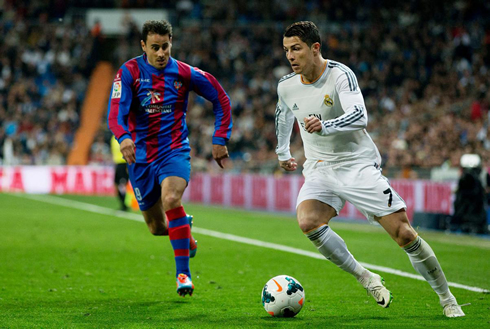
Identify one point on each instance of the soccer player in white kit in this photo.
(342, 164)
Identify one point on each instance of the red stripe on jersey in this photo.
(184, 77)
(181, 252)
(175, 213)
(134, 69)
(115, 127)
(152, 137)
(154, 119)
(225, 106)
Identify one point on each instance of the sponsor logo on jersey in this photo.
(116, 90)
(177, 84)
(158, 108)
(327, 100)
(295, 107)
(151, 97)
(142, 80)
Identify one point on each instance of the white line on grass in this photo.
(231, 237)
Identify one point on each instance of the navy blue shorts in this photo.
(146, 178)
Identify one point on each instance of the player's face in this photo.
(299, 55)
(157, 48)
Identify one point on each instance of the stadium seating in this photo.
(424, 77)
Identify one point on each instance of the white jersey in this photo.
(336, 99)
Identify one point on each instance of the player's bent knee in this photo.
(405, 236)
(171, 201)
(308, 222)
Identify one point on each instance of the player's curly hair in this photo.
(306, 31)
(156, 27)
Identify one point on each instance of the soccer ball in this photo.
(283, 296)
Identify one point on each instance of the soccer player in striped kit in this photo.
(342, 164)
(147, 112)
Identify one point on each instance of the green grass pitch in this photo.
(65, 267)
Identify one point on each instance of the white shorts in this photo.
(361, 184)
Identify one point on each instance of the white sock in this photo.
(333, 247)
(425, 262)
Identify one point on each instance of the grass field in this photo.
(66, 264)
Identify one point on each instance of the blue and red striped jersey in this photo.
(149, 106)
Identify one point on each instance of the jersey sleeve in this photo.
(119, 105)
(284, 120)
(207, 86)
(352, 102)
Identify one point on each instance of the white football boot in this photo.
(374, 285)
(451, 309)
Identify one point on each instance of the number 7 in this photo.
(388, 191)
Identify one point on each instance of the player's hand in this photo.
(288, 165)
(313, 124)
(127, 150)
(220, 152)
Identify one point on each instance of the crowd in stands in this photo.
(44, 69)
(424, 76)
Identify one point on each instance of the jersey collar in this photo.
(310, 83)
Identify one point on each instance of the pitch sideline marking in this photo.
(225, 236)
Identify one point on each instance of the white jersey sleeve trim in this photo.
(284, 121)
(350, 96)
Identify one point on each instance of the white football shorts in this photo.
(361, 184)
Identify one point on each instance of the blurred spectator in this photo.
(100, 152)
(469, 205)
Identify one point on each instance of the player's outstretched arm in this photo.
(220, 152)
(288, 165)
(206, 85)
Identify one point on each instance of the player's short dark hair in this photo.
(306, 31)
(156, 27)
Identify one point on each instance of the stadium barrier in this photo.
(84, 180)
(248, 191)
(260, 192)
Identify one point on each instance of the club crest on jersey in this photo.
(152, 97)
(116, 90)
(327, 100)
(177, 84)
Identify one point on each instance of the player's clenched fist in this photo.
(288, 165)
(127, 150)
(313, 124)
(220, 152)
